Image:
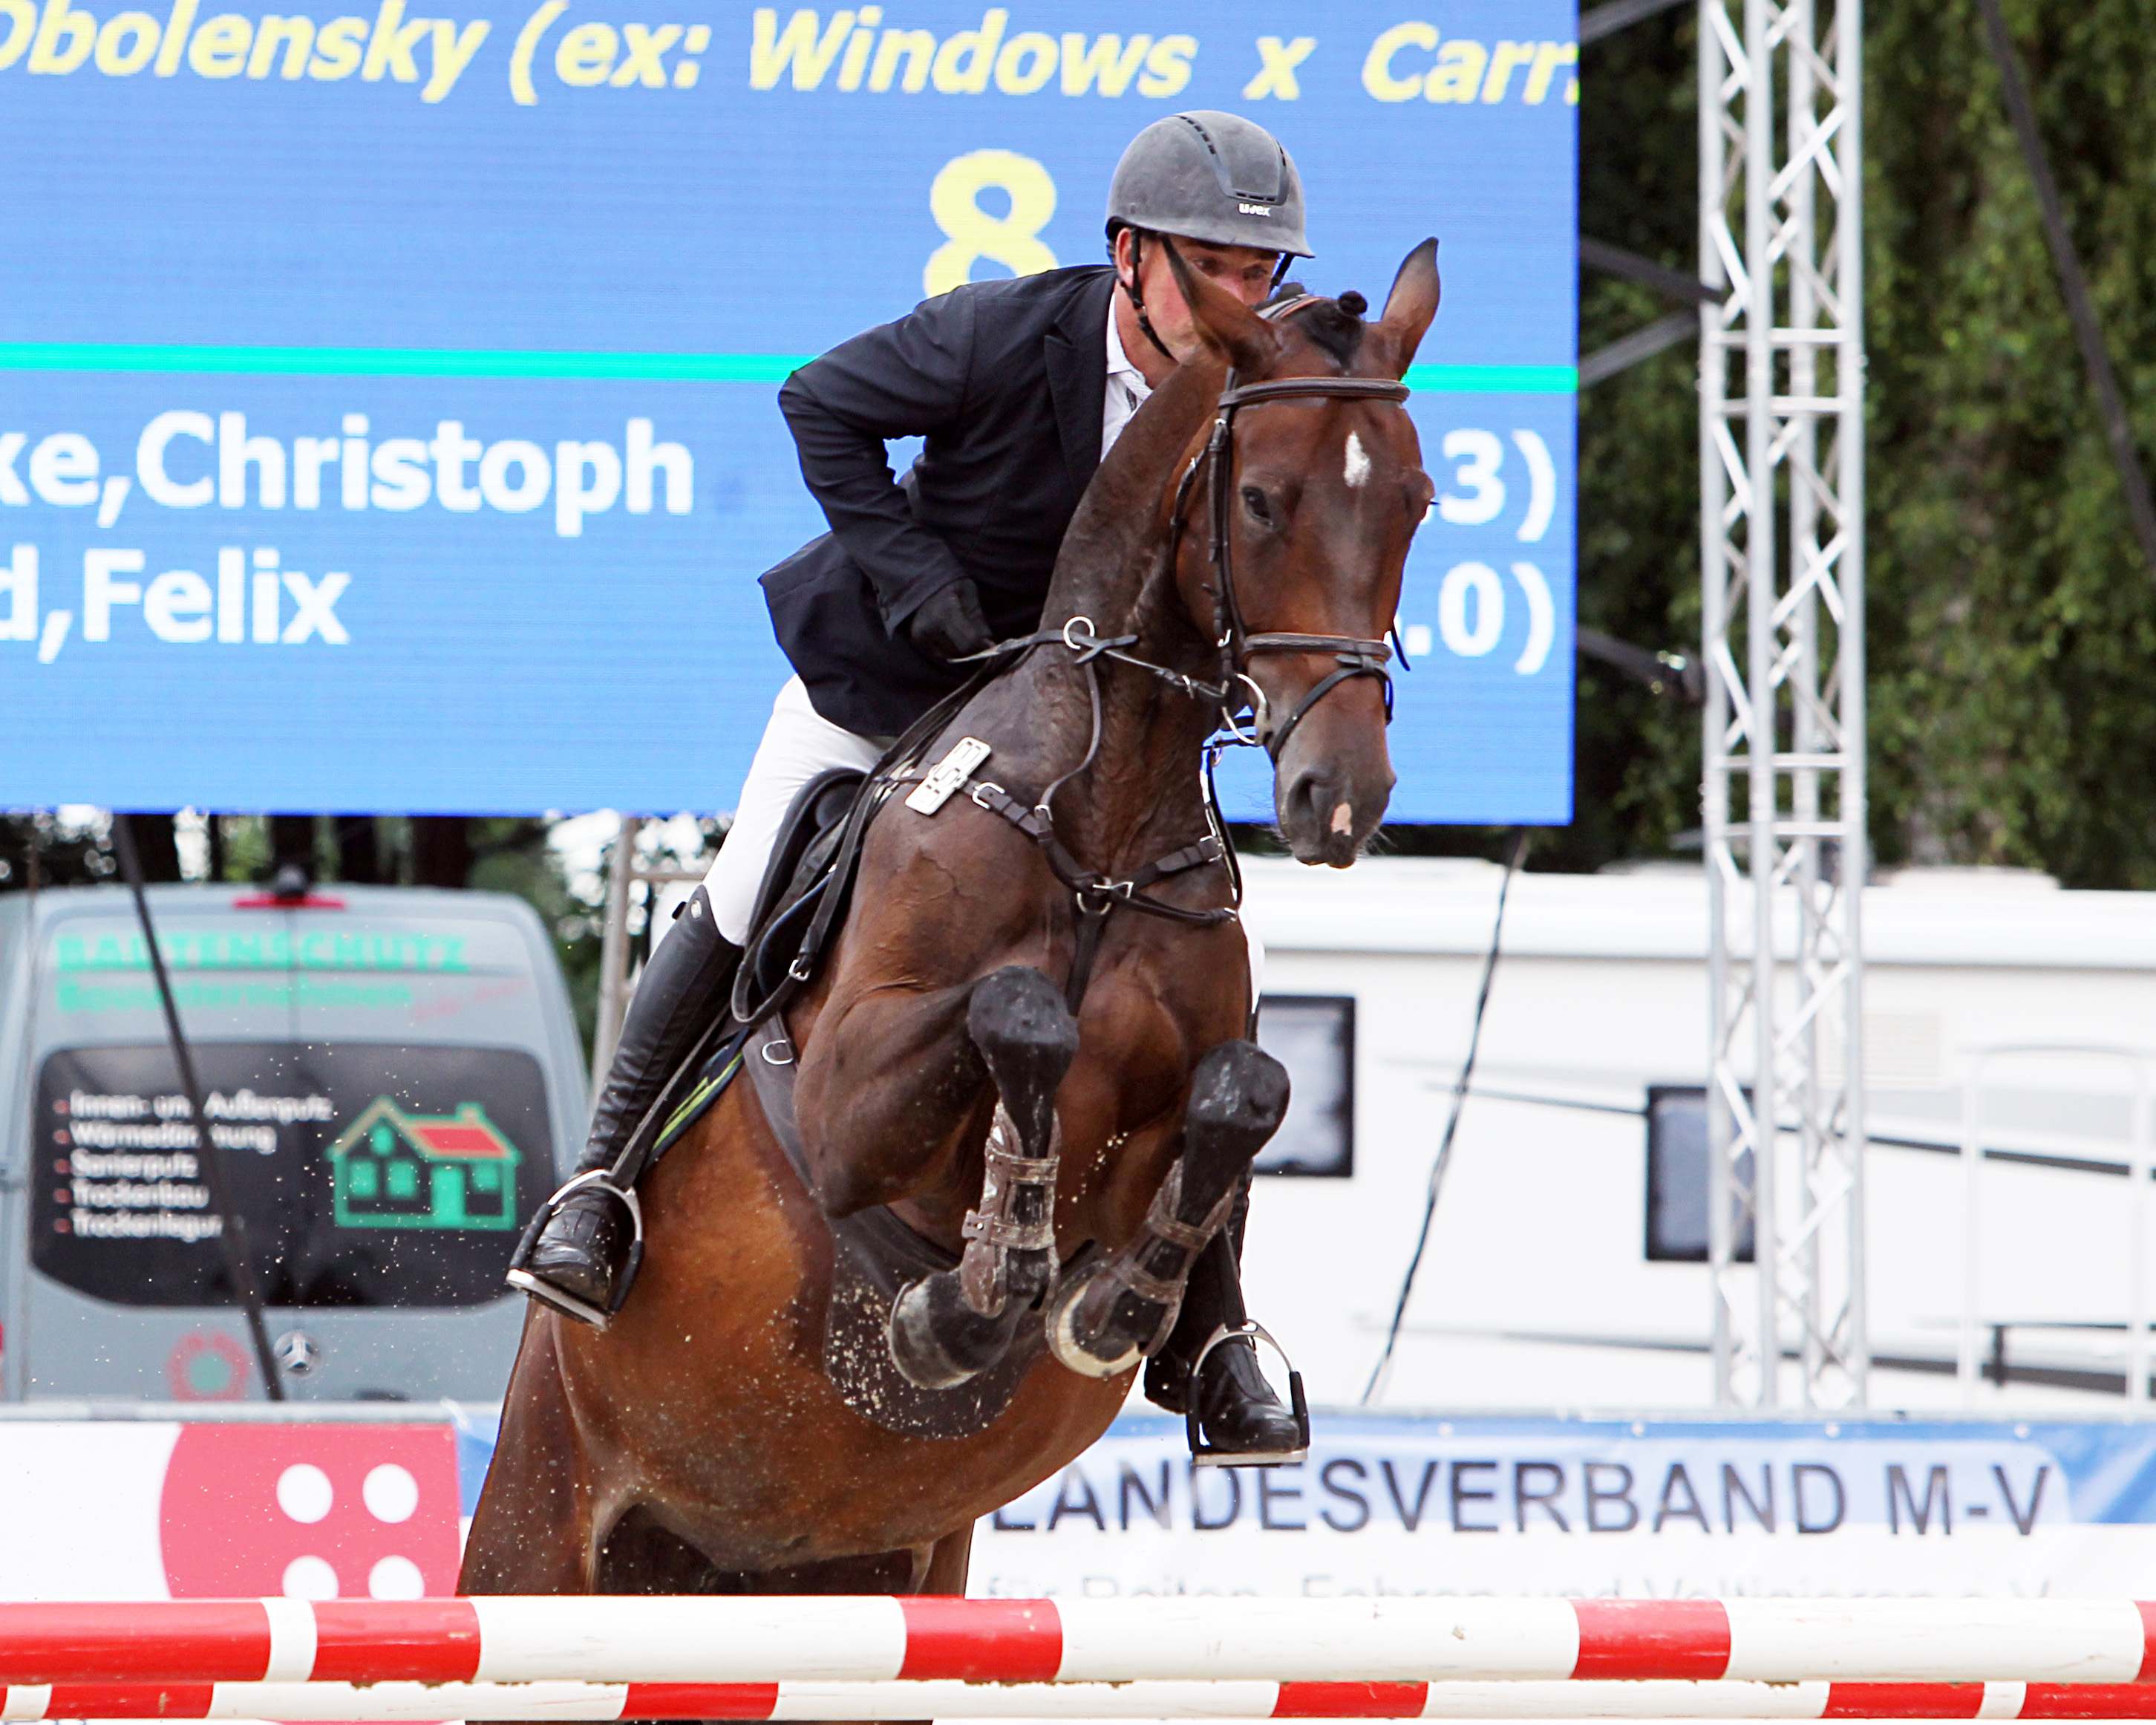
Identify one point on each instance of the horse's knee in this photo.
(1239, 1096)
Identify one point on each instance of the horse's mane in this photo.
(1102, 563)
(1334, 326)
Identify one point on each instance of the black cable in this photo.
(232, 1236)
(1513, 859)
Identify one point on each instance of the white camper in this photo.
(1563, 1267)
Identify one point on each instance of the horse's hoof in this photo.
(939, 1342)
(1084, 1346)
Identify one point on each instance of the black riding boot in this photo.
(1238, 1413)
(575, 1262)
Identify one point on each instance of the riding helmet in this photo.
(1210, 176)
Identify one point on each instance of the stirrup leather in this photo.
(545, 1292)
(1205, 1454)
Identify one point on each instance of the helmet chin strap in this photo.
(1137, 299)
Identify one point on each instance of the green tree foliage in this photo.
(2010, 615)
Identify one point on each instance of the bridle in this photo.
(1355, 656)
(1095, 895)
(1236, 692)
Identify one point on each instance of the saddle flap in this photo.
(795, 880)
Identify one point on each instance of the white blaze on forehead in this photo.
(1357, 471)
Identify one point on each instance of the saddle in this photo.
(808, 871)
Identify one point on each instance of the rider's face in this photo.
(1244, 270)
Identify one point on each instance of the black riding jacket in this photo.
(1004, 379)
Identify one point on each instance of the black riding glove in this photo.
(949, 624)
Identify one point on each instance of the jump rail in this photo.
(650, 1642)
(1593, 1699)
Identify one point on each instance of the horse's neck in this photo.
(1142, 789)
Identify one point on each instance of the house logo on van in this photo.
(390, 1169)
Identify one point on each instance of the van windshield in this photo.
(367, 1174)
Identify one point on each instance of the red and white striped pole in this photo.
(1594, 1698)
(614, 1639)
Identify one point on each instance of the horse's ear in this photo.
(1410, 306)
(1224, 322)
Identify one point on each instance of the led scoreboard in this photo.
(387, 402)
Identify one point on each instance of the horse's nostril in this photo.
(1343, 819)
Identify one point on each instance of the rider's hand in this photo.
(950, 624)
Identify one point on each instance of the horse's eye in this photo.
(1259, 505)
(1420, 491)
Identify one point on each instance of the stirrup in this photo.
(1205, 1454)
(524, 1282)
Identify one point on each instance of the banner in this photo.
(121, 1509)
(387, 409)
(1386, 1504)
(1666, 1508)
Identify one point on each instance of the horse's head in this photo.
(1297, 536)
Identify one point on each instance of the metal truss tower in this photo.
(1782, 569)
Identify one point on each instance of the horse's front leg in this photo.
(1107, 1320)
(951, 1327)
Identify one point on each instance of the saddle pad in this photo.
(877, 1254)
(710, 1084)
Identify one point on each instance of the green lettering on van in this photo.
(265, 949)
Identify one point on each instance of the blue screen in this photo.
(388, 413)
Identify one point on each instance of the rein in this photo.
(1096, 895)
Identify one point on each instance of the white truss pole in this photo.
(1782, 544)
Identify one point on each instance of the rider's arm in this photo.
(903, 379)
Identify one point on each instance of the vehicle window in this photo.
(1677, 1179)
(367, 1174)
(1313, 1036)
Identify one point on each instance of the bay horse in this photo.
(1055, 1095)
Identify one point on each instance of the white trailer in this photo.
(2017, 1264)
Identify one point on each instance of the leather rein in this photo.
(1095, 896)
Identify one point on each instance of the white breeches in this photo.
(798, 743)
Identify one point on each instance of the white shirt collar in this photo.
(1125, 389)
(1119, 362)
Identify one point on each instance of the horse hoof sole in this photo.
(1071, 1352)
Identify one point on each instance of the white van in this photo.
(393, 1079)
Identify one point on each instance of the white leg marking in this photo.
(1357, 471)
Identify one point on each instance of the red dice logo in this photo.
(313, 1512)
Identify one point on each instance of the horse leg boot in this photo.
(577, 1256)
(1121, 1312)
(952, 1326)
(1238, 1413)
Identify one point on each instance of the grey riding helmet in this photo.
(1210, 176)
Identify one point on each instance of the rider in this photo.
(1019, 387)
